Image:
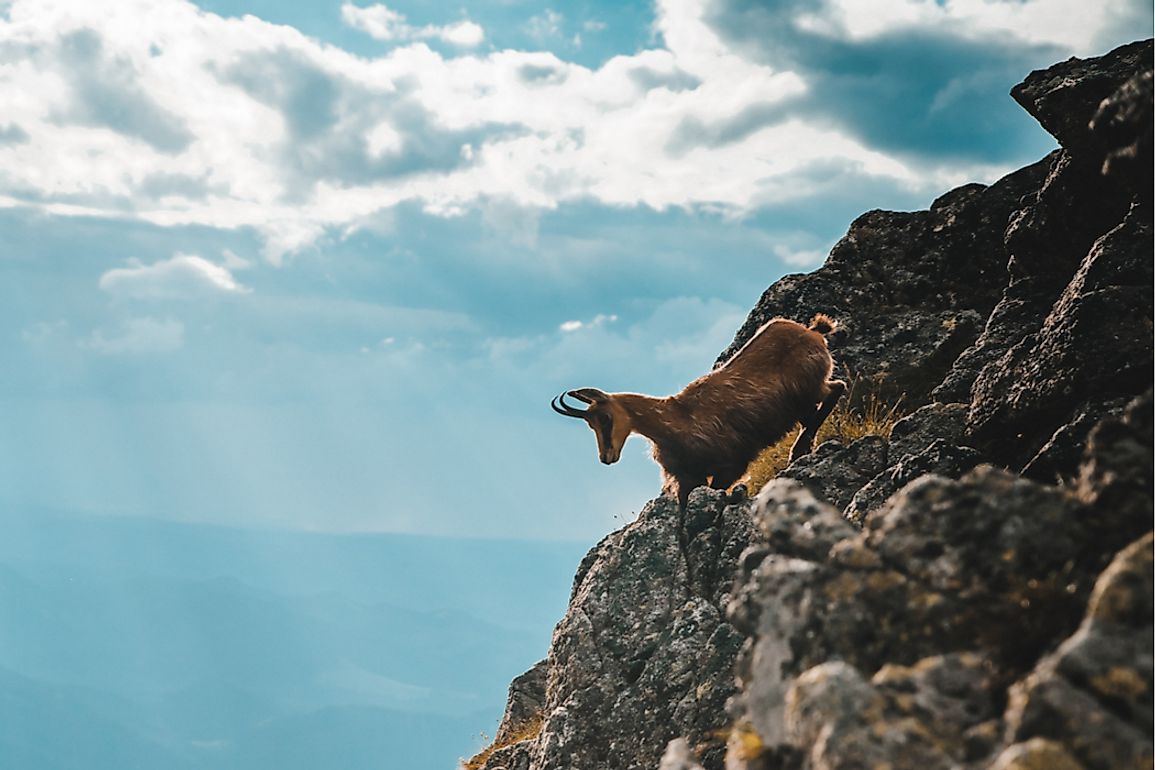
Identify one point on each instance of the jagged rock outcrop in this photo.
(1093, 695)
(972, 591)
(645, 653)
(912, 289)
(970, 582)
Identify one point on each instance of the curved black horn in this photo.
(565, 409)
(588, 395)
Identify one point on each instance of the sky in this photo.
(322, 265)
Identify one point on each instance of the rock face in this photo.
(973, 591)
(645, 653)
(911, 289)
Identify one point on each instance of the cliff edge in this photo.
(973, 591)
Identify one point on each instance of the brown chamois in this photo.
(713, 429)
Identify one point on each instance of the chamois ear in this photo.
(589, 395)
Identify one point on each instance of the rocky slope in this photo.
(973, 591)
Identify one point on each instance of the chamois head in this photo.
(607, 418)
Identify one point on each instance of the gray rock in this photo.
(1093, 695)
(525, 705)
(905, 717)
(1056, 461)
(793, 522)
(910, 288)
(644, 653)
(835, 472)
(1123, 124)
(914, 433)
(679, 757)
(1055, 228)
(1036, 754)
(1046, 241)
(943, 566)
(1064, 97)
(939, 458)
(1081, 250)
(517, 756)
(1117, 475)
(1094, 345)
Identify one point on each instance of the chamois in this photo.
(714, 428)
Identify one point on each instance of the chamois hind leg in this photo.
(724, 480)
(805, 441)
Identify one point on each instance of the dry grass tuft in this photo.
(746, 743)
(851, 419)
(523, 732)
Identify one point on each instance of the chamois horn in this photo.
(589, 395)
(565, 409)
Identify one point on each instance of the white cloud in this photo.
(545, 25)
(599, 320)
(383, 23)
(1071, 24)
(463, 33)
(139, 336)
(240, 123)
(807, 258)
(184, 276)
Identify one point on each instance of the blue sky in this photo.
(323, 265)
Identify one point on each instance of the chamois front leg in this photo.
(805, 441)
(683, 486)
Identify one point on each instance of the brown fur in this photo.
(713, 429)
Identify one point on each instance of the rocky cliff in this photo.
(973, 591)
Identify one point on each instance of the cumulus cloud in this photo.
(807, 258)
(383, 23)
(598, 320)
(1069, 24)
(915, 79)
(139, 336)
(184, 276)
(158, 111)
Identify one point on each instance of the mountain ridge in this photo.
(973, 590)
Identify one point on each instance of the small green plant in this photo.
(528, 729)
(852, 419)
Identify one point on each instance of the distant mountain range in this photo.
(138, 643)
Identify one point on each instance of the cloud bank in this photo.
(158, 111)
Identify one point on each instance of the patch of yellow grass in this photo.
(742, 741)
(851, 419)
(531, 728)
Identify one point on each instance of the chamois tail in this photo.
(823, 324)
